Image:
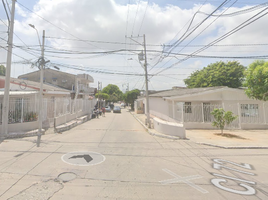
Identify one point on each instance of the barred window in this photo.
(249, 110)
(187, 108)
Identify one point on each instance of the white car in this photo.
(108, 109)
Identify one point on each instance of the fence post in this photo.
(264, 116)
(239, 115)
(182, 110)
(21, 119)
(202, 108)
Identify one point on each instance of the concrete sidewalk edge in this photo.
(232, 147)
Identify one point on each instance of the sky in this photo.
(104, 37)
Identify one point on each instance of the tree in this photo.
(257, 80)
(229, 74)
(114, 92)
(131, 96)
(102, 96)
(222, 118)
(2, 70)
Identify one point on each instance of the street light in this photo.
(41, 62)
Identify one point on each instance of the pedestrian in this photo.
(97, 113)
(103, 111)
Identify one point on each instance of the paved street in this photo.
(113, 157)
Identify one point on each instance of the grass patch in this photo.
(229, 135)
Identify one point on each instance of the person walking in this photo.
(103, 111)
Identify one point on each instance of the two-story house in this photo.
(76, 84)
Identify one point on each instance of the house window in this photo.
(187, 107)
(249, 110)
(54, 80)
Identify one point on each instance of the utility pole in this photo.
(146, 84)
(41, 91)
(140, 56)
(99, 88)
(7, 77)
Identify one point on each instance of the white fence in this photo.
(20, 110)
(23, 110)
(200, 113)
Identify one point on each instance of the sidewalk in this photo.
(238, 139)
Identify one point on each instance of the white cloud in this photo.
(107, 20)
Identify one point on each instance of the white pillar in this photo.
(202, 108)
(5, 108)
(264, 115)
(239, 115)
(182, 114)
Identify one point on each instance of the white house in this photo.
(193, 107)
(58, 107)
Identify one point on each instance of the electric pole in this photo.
(41, 90)
(140, 57)
(146, 84)
(7, 77)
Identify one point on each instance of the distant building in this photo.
(71, 82)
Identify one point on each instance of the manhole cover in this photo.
(67, 176)
(83, 158)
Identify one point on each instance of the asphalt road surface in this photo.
(113, 157)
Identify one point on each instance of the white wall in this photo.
(22, 127)
(169, 128)
(159, 105)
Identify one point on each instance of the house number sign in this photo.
(246, 186)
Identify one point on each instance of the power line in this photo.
(239, 27)
(239, 12)
(182, 38)
(207, 27)
(135, 17)
(143, 17)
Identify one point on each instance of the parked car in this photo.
(108, 109)
(117, 109)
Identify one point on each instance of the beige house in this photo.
(193, 107)
(74, 83)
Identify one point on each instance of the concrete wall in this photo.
(159, 105)
(22, 127)
(169, 128)
(197, 125)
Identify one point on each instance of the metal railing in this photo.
(201, 113)
(26, 109)
(20, 110)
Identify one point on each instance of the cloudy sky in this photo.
(104, 37)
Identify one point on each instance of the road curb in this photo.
(23, 134)
(71, 124)
(232, 147)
